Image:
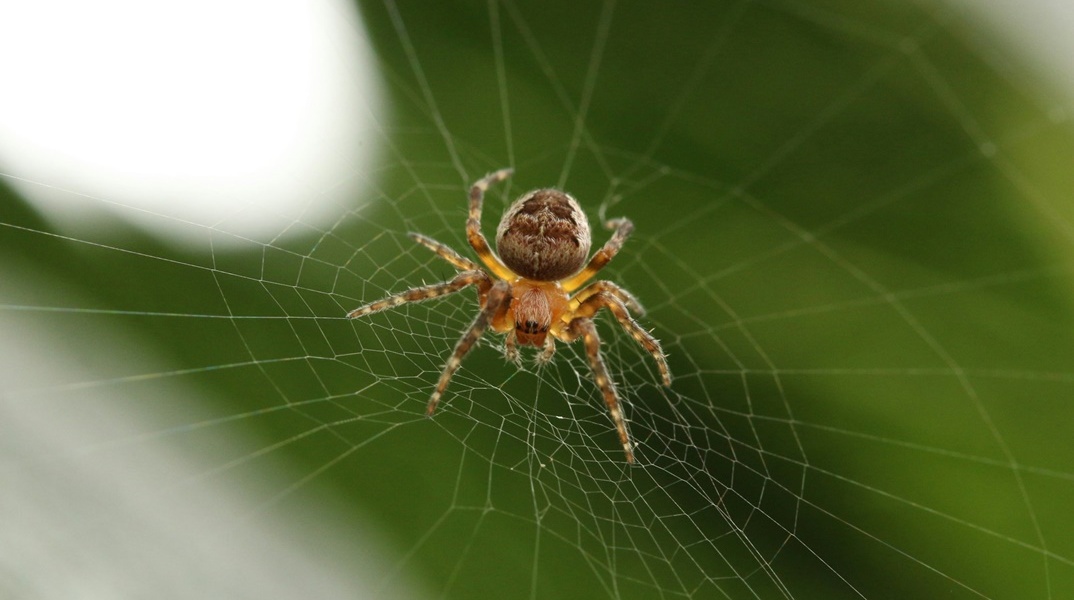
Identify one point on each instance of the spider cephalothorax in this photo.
(543, 241)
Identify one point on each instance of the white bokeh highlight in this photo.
(223, 119)
(239, 116)
(1038, 29)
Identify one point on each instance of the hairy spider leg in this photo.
(616, 307)
(425, 292)
(473, 225)
(583, 327)
(445, 252)
(609, 287)
(623, 228)
(498, 300)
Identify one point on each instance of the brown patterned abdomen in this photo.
(544, 236)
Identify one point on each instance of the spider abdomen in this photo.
(544, 236)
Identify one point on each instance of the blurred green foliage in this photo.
(852, 235)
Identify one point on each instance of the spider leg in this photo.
(458, 261)
(623, 228)
(548, 351)
(498, 299)
(606, 300)
(584, 327)
(597, 287)
(473, 225)
(425, 292)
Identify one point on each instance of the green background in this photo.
(853, 237)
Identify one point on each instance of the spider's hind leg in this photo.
(426, 292)
(445, 252)
(615, 305)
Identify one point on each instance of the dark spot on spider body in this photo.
(552, 201)
(531, 327)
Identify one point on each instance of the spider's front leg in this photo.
(615, 305)
(499, 298)
(583, 327)
(597, 287)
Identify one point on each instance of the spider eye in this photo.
(531, 327)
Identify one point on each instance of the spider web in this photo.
(854, 238)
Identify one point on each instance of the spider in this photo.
(542, 244)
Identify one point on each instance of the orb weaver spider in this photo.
(542, 244)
